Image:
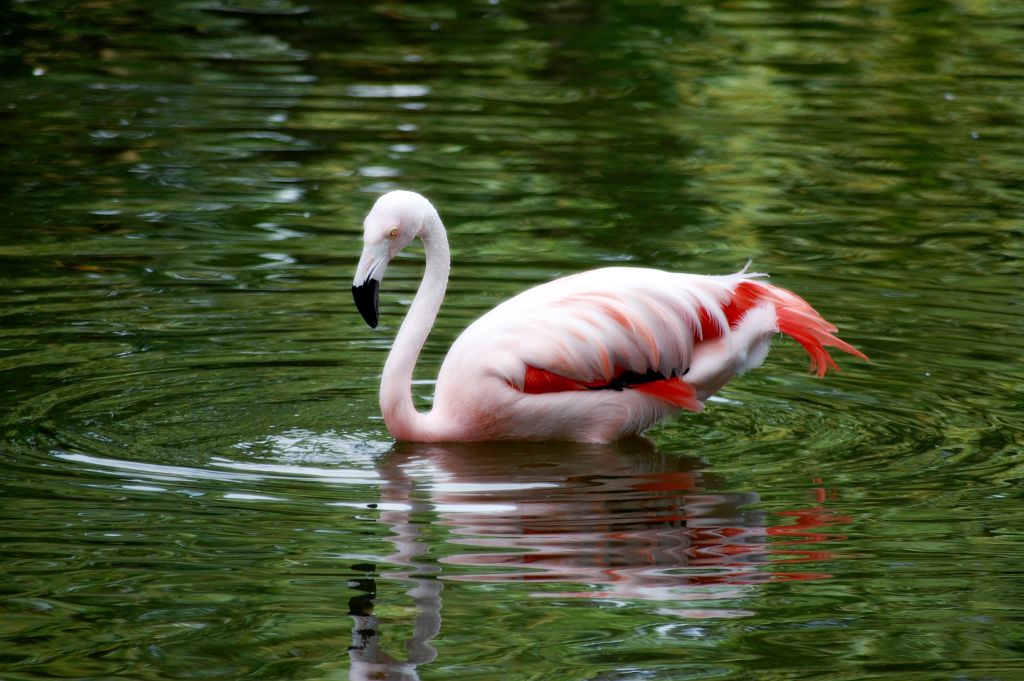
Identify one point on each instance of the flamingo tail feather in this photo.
(801, 322)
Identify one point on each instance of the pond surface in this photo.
(196, 482)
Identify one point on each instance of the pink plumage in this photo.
(591, 357)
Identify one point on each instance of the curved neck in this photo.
(401, 417)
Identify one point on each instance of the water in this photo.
(197, 483)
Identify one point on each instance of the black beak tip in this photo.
(366, 299)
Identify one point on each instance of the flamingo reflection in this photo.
(623, 521)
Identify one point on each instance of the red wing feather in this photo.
(675, 391)
(672, 390)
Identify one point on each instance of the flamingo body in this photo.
(591, 357)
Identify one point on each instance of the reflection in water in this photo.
(621, 521)
(368, 660)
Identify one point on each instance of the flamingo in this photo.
(591, 357)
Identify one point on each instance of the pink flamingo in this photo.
(592, 357)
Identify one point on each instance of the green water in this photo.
(195, 477)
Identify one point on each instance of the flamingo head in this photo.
(394, 221)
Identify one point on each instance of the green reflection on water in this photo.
(195, 471)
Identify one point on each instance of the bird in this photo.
(596, 356)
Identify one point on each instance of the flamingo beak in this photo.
(368, 301)
(366, 284)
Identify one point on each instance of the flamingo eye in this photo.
(393, 233)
